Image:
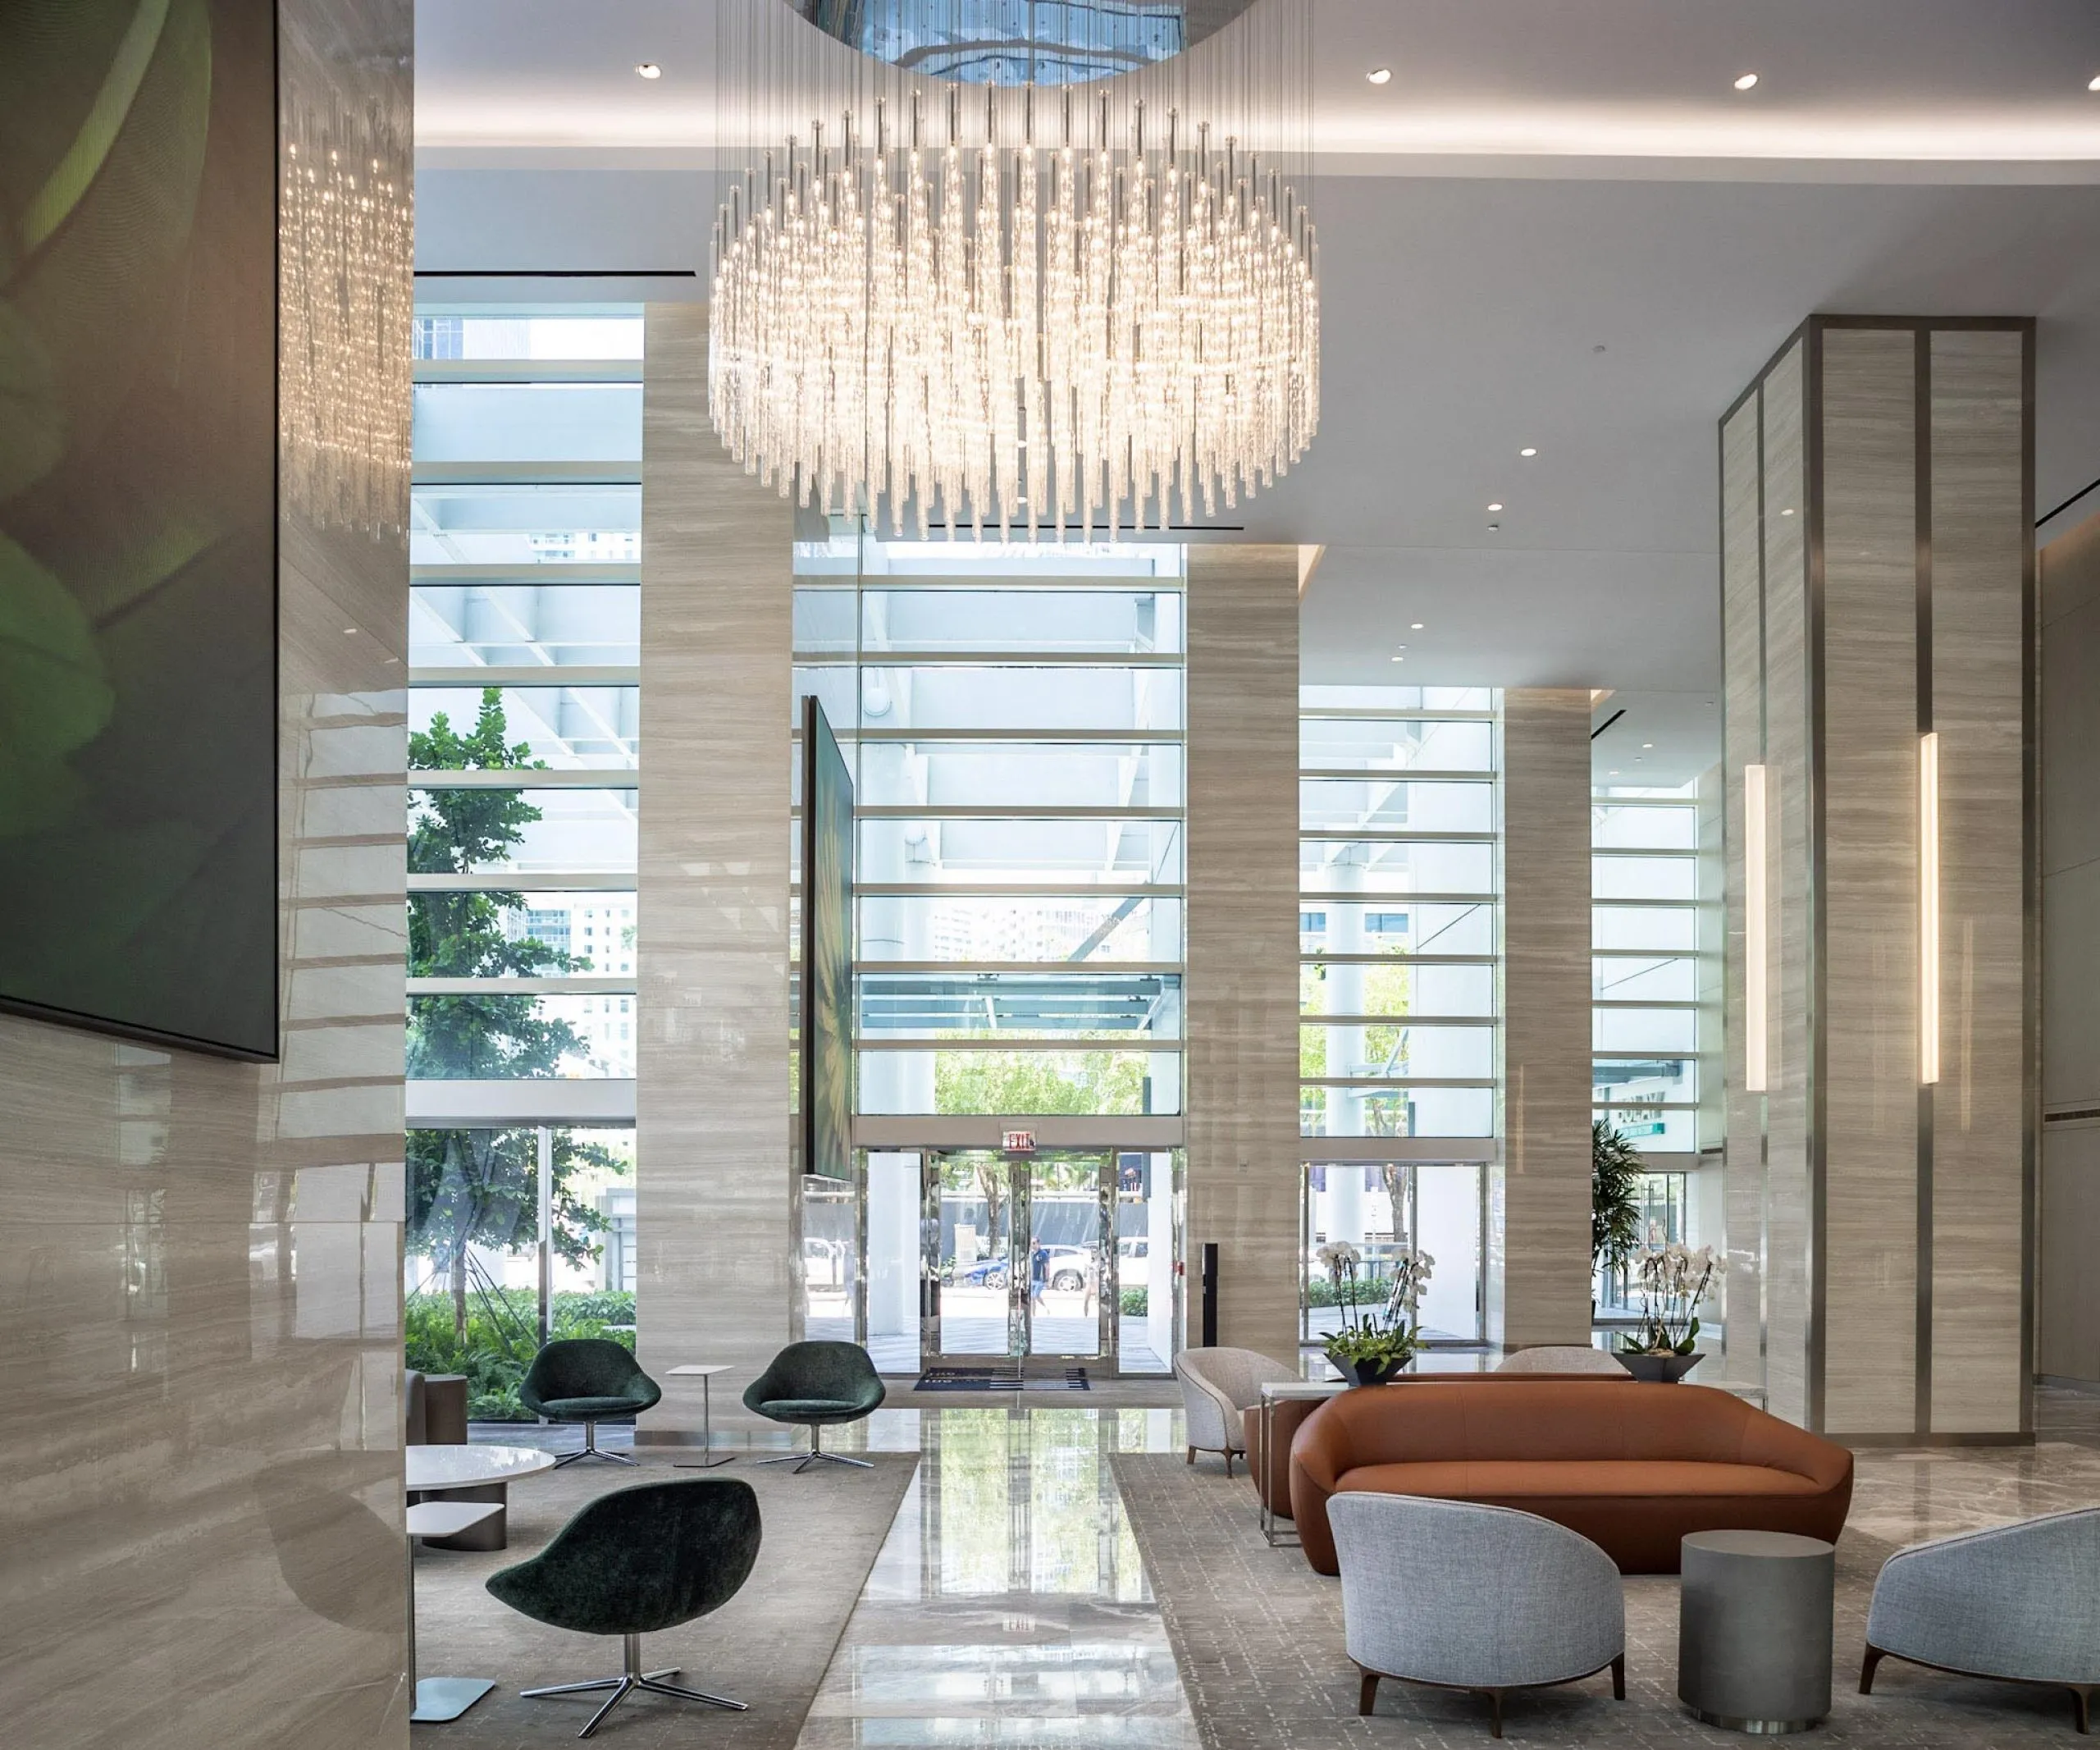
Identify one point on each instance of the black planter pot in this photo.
(1369, 1373)
(1666, 1369)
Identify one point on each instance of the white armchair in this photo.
(2020, 1602)
(1560, 1358)
(1465, 1596)
(1216, 1384)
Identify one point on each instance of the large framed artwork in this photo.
(138, 518)
(826, 1006)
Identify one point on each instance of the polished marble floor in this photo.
(1008, 1607)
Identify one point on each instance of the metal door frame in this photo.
(1020, 1235)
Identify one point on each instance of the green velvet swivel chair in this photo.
(586, 1379)
(633, 1563)
(820, 1385)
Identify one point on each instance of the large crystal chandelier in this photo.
(1112, 318)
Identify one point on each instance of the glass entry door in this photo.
(1017, 1257)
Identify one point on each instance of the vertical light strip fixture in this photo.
(1756, 997)
(1928, 908)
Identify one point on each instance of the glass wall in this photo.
(524, 746)
(1014, 712)
(1651, 967)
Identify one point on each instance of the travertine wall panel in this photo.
(714, 1198)
(1243, 1159)
(1538, 1287)
(203, 1279)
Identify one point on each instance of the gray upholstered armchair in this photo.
(2020, 1602)
(1216, 1384)
(1560, 1358)
(636, 1562)
(586, 1379)
(1465, 1596)
(817, 1385)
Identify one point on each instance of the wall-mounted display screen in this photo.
(138, 519)
(826, 1009)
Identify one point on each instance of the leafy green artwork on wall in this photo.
(137, 518)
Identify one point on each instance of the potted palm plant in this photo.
(1615, 1201)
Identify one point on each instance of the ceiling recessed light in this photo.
(1495, 507)
(1379, 76)
(1787, 512)
(1647, 744)
(1399, 659)
(1612, 773)
(1415, 626)
(350, 631)
(1493, 527)
(649, 70)
(1528, 449)
(1746, 82)
(2094, 83)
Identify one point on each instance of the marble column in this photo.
(1877, 591)
(713, 1197)
(202, 1276)
(1538, 1261)
(1243, 1162)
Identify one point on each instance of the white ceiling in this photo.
(1558, 226)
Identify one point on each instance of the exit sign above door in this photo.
(1018, 1142)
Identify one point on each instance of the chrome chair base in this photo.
(630, 1681)
(592, 1449)
(816, 1452)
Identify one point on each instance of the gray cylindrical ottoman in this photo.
(1754, 1629)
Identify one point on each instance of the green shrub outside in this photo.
(1133, 1302)
(1371, 1291)
(502, 1336)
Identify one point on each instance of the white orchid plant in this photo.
(1387, 1339)
(1673, 1280)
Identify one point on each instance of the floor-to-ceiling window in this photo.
(1399, 827)
(1014, 716)
(1651, 980)
(523, 704)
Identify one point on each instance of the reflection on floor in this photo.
(1008, 1607)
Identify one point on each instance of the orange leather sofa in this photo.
(1271, 1471)
(1632, 1466)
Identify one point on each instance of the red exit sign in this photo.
(1018, 1142)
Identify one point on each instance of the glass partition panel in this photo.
(1644, 828)
(970, 1222)
(1673, 980)
(1447, 1226)
(1384, 1050)
(1147, 1245)
(528, 422)
(1079, 1005)
(996, 851)
(1402, 987)
(1343, 866)
(1091, 621)
(567, 729)
(471, 1266)
(524, 625)
(1366, 700)
(1020, 1083)
(1387, 804)
(1369, 1109)
(488, 936)
(1658, 1029)
(894, 1273)
(1618, 1080)
(1068, 1264)
(1020, 775)
(1398, 925)
(492, 1036)
(1342, 743)
(1019, 698)
(1665, 929)
(1634, 877)
(831, 1255)
(1089, 928)
(481, 524)
(585, 831)
(514, 337)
